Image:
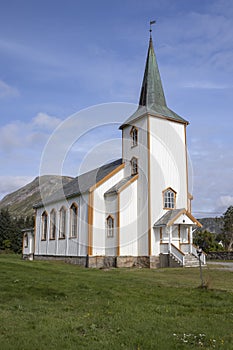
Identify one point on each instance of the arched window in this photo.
(73, 220)
(169, 198)
(134, 166)
(53, 218)
(44, 226)
(110, 226)
(134, 136)
(62, 223)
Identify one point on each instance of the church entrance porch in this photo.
(173, 239)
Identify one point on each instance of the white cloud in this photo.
(45, 121)
(7, 90)
(20, 135)
(10, 184)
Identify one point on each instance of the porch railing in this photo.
(194, 252)
(176, 252)
(179, 254)
(185, 247)
(188, 248)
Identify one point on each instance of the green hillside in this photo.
(20, 202)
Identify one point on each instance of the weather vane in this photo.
(151, 22)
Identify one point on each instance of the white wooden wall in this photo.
(168, 164)
(128, 221)
(100, 214)
(111, 208)
(141, 153)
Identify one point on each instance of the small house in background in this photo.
(28, 243)
(135, 211)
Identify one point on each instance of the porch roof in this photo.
(170, 218)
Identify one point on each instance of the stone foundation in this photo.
(133, 261)
(80, 261)
(155, 262)
(101, 262)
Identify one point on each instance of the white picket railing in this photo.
(185, 247)
(177, 253)
(180, 254)
(203, 255)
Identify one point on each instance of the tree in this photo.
(6, 229)
(227, 232)
(207, 241)
(11, 231)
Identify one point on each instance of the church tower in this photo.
(154, 147)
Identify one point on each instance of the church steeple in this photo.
(152, 100)
(152, 90)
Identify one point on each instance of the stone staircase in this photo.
(174, 262)
(191, 261)
(170, 260)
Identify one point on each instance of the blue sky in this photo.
(58, 57)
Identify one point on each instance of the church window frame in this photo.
(134, 166)
(73, 220)
(110, 226)
(44, 228)
(53, 224)
(134, 136)
(169, 198)
(62, 223)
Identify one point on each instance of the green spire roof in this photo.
(152, 100)
(152, 89)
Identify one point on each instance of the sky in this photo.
(61, 57)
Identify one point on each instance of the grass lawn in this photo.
(53, 305)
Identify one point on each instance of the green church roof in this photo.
(152, 100)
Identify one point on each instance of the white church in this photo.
(135, 211)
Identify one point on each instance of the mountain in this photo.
(213, 225)
(20, 202)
